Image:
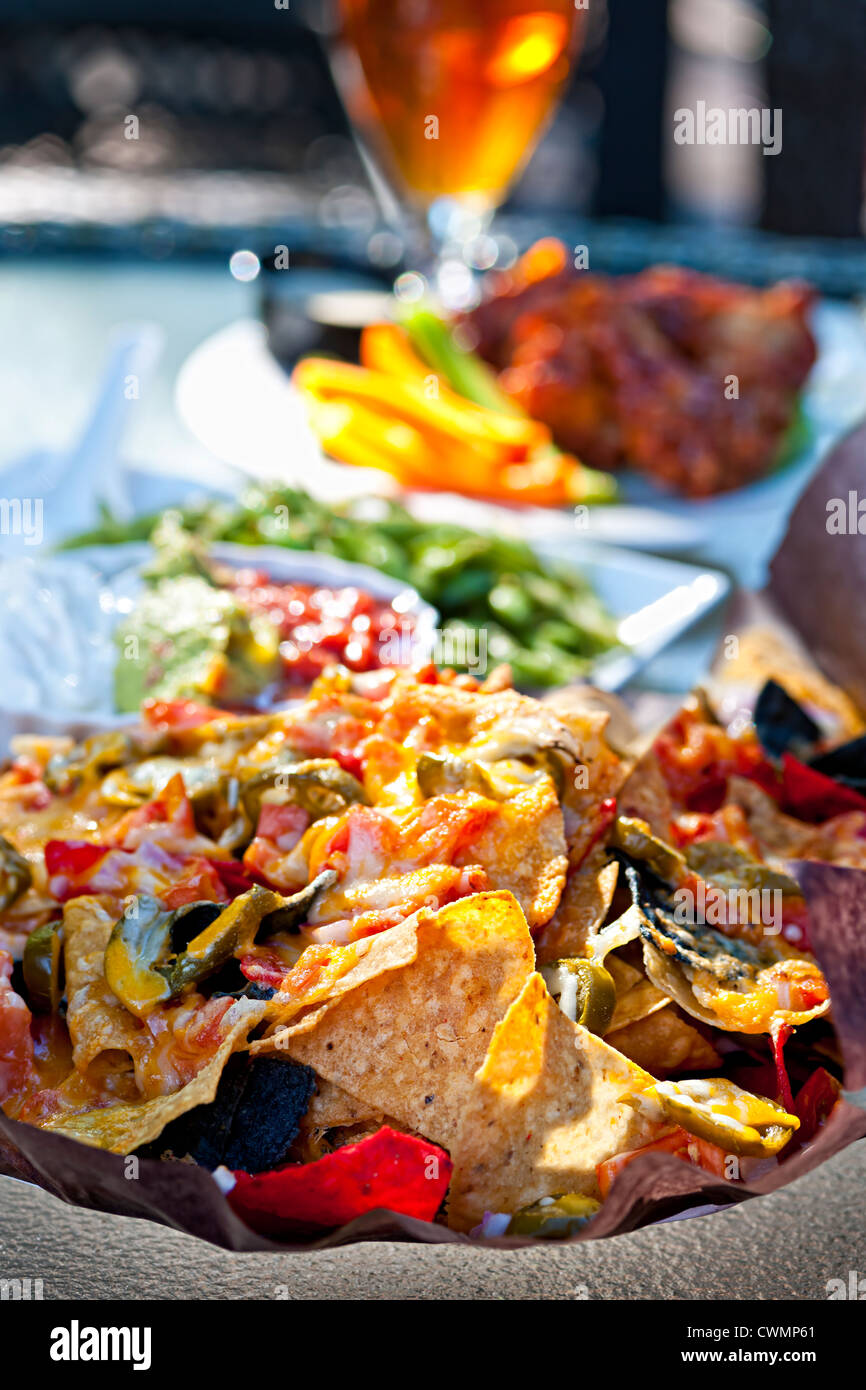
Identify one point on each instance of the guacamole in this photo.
(187, 639)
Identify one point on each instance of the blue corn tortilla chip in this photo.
(782, 725)
(252, 1122)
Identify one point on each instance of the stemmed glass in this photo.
(449, 98)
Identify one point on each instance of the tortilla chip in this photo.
(776, 834)
(766, 654)
(636, 996)
(641, 1000)
(331, 1107)
(664, 1042)
(585, 904)
(620, 731)
(523, 851)
(544, 1110)
(122, 1128)
(625, 976)
(97, 1021)
(347, 967)
(598, 777)
(645, 794)
(408, 1042)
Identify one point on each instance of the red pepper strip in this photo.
(387, 1169)
(68, 864)
(72, 857)
(680, 1144)
(814, 797)
(349, 761)
(815, 1100)
(179, 714)
(779, 1035)
(231, 875)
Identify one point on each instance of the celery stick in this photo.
(468, 375)
(464, 371)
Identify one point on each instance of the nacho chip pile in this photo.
(415, 945)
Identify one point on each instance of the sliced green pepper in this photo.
(295, 910)
(635, 839)
(15, 875)
(554, 1218)
(442, 775)
(721, 1112)
(728, 866)
(585, 990)
(143, 965)
(319, 786)
(91, 758)
(42, 967)
(140, 941)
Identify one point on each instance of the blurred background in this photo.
(142, 146)
(241, 130)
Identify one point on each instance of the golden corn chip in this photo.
(523, 851)
(663, 1042)
(330, 1107)
(584, 905)
(545, 1108)
(122, 1128)
(775, 833)
(409, 1041)
(641, 1000)
(644, 794)
(764, 653)
(347, 967)
(98, 1023)
(625, 976)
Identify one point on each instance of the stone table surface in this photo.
(786, 1246)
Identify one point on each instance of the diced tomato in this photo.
(199, 882)
(815, 1101)
(231, 875)
(265, 968)
(680, 1144)
(386, 1170)
(16, 1043)
(169, 820)
(349, 761)
(72, 857)
(284, 825)
(698, 757)
(69, 864)
(320, 626)
(179, 714)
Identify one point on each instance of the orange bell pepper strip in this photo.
(386, 348)
(328, 380)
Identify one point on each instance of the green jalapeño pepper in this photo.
(635, 839)
(318, 785)
(42, 967)
(15, 877)
(442, 775)
(554, 1218)
(146, 962)
(585, 991)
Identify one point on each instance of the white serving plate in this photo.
(239, 403)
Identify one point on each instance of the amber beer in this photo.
(460, 89)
